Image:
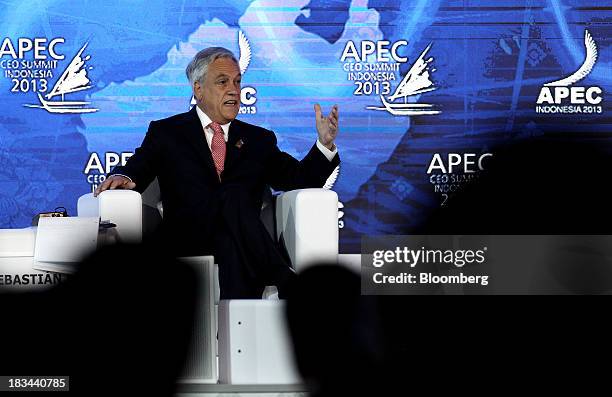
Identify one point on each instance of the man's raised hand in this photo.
(327, 126)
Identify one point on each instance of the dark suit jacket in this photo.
(175, 151)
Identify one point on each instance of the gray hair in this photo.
(197, 68)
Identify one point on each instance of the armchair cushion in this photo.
(121, 207)
(307, 224)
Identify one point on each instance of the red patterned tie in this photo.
(217, 147)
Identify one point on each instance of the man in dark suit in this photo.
(212, 171)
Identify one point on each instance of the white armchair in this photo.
(305, 221)
(253, 340)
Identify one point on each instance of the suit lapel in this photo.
(195, 135)
(234, 145)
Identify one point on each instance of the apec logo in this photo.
(373, 66)
(447, 173)
(563, 97)
(96, 168)
(35, 75)
(30, 63)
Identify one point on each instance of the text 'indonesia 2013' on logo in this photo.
(564, 97)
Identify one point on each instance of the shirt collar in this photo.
(205, 120)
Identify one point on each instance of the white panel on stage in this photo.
(67, 239)
(254, 343)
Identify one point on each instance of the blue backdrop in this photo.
(487, 64)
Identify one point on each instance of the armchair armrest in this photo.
(121, 207)
(307, 223)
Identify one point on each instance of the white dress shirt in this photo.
(208, 132)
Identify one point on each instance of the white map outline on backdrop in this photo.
(278, 46)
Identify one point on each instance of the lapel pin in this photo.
(239, 143)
